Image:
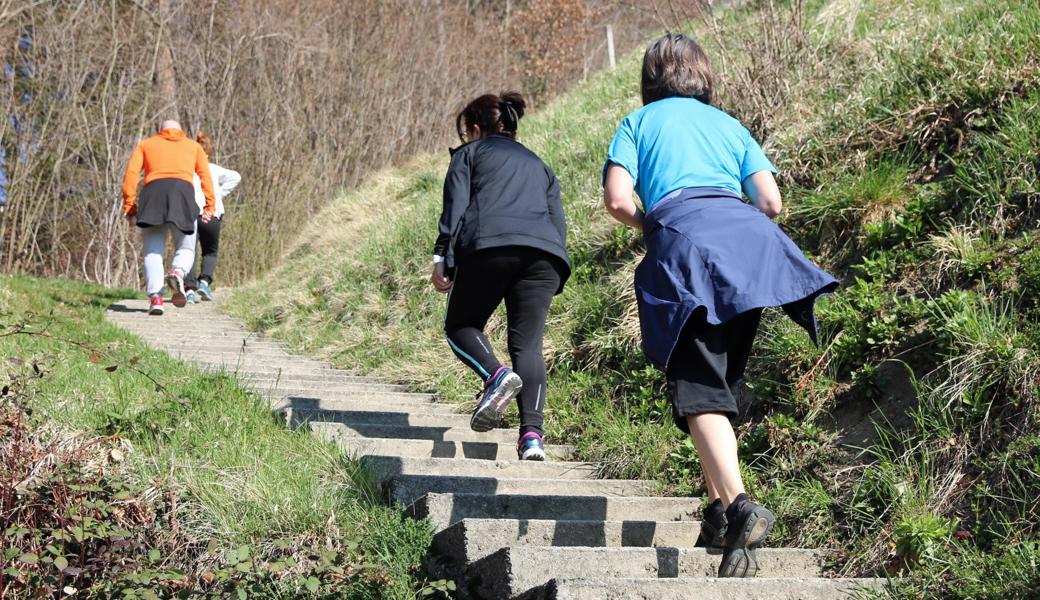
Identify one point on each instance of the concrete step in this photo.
(280, 386)
(175, 327)
(703, 588)
(407, 489)
(244, 359)
(201, 346)
(366, 405)
(346, 391)
(429, 448)
(445, 510)
(513, 571)
(227, 343)
(375, 430)
(311, 376)
(387, 467)
(473, 539)
(387, 401)
(298, 416)
(184, 333)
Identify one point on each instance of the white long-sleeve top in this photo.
(224, 181)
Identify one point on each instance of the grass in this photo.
(231, 475)
(906, 134)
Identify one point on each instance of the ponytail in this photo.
(493, 114)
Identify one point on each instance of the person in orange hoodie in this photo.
(169, 160)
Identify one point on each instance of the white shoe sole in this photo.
(536, 455)
(489, 414)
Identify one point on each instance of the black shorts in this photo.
(707, 363)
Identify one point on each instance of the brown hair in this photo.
(675, 65)
(493, 114)
(206, 143)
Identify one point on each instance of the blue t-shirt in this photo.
(679, 143)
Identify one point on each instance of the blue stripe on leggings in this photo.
(469, 358)
(452, 344)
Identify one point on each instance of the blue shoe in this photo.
(530, 447)
(499, 391)
(204, 292)
(191, 297)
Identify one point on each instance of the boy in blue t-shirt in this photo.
(712, 264)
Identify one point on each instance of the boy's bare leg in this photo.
(716, 445)
(713, 491)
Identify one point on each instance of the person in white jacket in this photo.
(199, 281)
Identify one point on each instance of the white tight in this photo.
(154, 242)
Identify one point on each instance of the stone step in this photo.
(407, 489)
(473, 539)
(385, 467)
(374, 430)
(429, 448)
(298, 416)
(225, 344)
(312, 376)
(513, 571)
(365, 405)
(280, 388)
(175, 327)
(703, 588)
(185, 334)
(387, 401)
(244, 359)
(348, 391)
(205, 346)
(445, 510)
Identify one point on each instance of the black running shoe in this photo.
(713, 525)
(748, 525)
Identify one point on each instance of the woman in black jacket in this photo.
(502, 237)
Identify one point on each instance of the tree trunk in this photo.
(165, 74)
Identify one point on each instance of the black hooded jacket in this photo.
(499, 193)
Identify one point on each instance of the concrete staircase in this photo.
(504, 528)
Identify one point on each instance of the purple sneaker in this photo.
(499, 391)
(530, 446)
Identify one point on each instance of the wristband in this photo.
(437, 259)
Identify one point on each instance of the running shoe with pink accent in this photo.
(530, 446)
(498, 392)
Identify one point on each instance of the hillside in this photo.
(127, 473)
(907, 136)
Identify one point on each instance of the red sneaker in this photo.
(156, 305)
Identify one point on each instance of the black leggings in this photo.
(527, 279)
(209, 239)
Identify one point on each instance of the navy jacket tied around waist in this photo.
(709, 253)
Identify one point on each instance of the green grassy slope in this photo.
(217, 498)
(907, 136)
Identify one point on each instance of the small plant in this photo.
(922, 537)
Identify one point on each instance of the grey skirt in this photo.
(170, 201)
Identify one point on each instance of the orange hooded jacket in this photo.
(168, 154)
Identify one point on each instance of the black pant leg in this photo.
(209, 239)
(478, 288)
(527, 306)
(191, 280)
